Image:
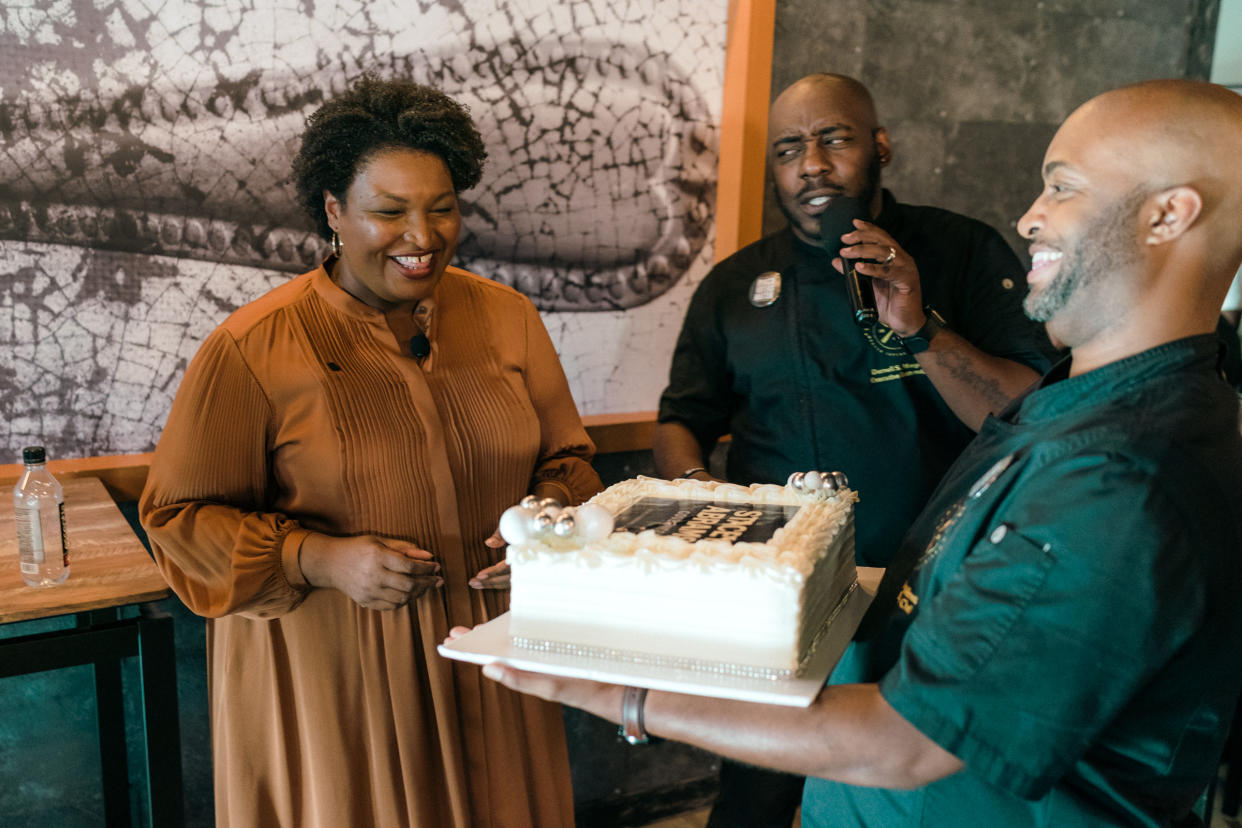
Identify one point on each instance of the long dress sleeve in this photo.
(565, 450)
(202, 505)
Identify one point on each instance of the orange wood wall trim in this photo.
(124, 475)
(612, 433)
(744, 124)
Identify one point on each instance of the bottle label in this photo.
(29, 536)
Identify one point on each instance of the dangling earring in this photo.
(336, 244)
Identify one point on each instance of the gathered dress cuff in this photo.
(571, 473)
(567, 496)
(291, 558)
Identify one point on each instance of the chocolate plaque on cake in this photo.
(695, 520)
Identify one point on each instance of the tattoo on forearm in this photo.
(961, 368)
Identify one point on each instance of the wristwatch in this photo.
(920, 340)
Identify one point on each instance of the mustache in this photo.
(834, 189)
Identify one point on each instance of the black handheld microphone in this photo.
(837, 220)
(420, 345)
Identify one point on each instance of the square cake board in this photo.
(490, 642)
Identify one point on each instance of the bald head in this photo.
(840, 91)
(1165, 134)
(1180, 125)
(1136, 235)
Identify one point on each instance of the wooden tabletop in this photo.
(108, 565)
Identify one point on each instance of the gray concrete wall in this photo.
(972, 90)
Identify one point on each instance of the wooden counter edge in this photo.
(124, 475)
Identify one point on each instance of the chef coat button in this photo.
(998, 534)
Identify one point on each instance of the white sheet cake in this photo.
(697, 574)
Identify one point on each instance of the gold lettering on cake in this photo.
(735, 525)
(696, 527)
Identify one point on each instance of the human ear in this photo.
(1171, 213)
(332, 206)
(882, 147)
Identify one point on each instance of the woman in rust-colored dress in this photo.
(327, 486)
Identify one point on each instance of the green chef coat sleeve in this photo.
(1075, 591)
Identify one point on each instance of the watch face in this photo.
(916, 344)
(920, 340)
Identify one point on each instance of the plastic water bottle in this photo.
(39, 506)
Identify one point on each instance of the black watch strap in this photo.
(920, 340)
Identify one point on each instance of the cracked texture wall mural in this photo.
(144, 193)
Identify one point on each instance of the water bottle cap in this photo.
(33, 454)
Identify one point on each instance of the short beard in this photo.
(1107, 244)
(872, 185)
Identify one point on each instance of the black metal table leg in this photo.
(110, 713)
(157, 662)
(110, 706)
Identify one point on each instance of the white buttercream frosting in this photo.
(789, 555)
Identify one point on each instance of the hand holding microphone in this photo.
(872, 249)
(837, 220)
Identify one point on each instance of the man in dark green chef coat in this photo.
(1062, 641)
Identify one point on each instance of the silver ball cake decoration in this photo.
(543, 521)
(817, 484)
(563, 526)
(536, 519)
